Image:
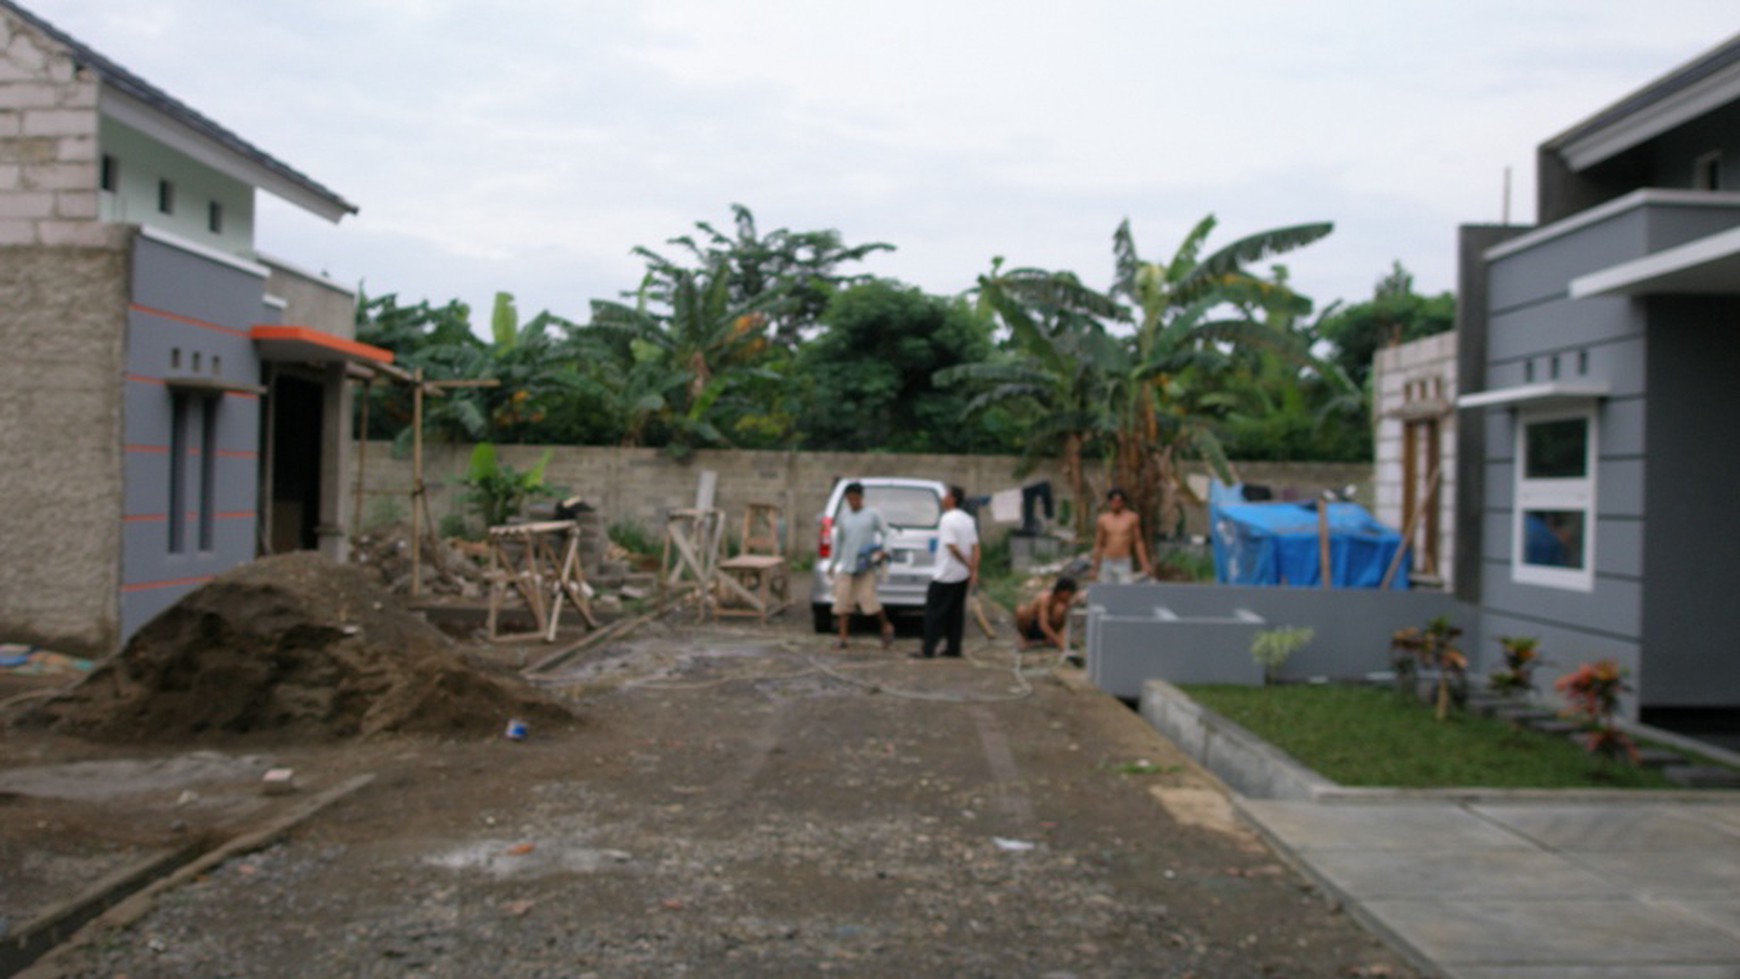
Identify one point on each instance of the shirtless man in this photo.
(1042, 621)
(1118, 545)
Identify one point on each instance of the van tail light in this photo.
(825, 547)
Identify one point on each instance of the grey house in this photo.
(1599, 378)
(172, 403)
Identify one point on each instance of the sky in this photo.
(528, 145)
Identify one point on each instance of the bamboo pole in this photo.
(1324, 569)
(1413, 522)
(417, 503)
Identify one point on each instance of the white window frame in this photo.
(1555, 494)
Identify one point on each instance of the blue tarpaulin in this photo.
(1276, 544)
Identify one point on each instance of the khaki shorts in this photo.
(856, 589)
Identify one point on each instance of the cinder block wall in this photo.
(63, 302)
(642, 485)
(62, 313)
(1406, 378)
(48, 144)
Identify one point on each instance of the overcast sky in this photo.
(527, 145)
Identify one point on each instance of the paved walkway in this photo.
(1531, 888)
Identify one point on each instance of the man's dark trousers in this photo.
(945, 616)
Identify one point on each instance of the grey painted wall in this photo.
(1669, 367)
(61, 323)
(1691, 555)
(189, 317)
(1185, 633)
(1536, 333)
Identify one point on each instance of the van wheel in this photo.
(824, 618)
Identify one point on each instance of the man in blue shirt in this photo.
(858, 535)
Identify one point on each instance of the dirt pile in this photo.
(299, 646)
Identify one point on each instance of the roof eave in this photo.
(167, 129)
(1706, 82)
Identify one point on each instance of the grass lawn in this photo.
(1365, 736)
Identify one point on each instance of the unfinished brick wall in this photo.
(1414, 387)
(642, 485)
(48, 144)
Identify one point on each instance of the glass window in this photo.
(1553, 538)
(904, 506)
(1556, 449)
(1554, 520)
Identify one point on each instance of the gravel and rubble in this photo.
(740, 800)
(745, 801)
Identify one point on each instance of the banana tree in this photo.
(1062, 363)
(1190, 313)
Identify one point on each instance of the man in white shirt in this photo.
(957, 570)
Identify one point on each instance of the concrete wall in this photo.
(141, 162)
(642, 485)
(1691, 561)
(62, 317)
(1202, 633)
(189, 318)
(48, 145)
(311, 300)
(1417, 380)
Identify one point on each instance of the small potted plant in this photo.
(1432, 647)
(1517, 678)
(1593, 693)
(1272, 647)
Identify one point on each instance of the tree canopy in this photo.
(767, 340)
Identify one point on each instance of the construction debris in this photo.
(264, 648)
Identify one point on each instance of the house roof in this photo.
(133, 100)
(1708, 81)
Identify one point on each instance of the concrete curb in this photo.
(130, 909)
(1255, 768)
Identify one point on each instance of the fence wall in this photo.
(643, 485)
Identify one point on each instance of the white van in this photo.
(911, 508)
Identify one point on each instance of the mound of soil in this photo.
(294, 645)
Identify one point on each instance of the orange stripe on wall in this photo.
(142, 379)
(149, 449)
(146, 517)
(238, 515)
(174, 583)
(188, 320)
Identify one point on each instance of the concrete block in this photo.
(278, 781)
(26, 52)
(17, 232)
(59, 122)
(30, 94)
(27, 205)
(76, 205)
(11, 124)
(78, 149)
(60, 176)
(78, 234)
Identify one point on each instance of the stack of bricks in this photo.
(48, 144)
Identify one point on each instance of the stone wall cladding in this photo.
(62, 318)
(643, 485)
(48, 145)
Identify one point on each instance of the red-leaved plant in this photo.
(1593, 693)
